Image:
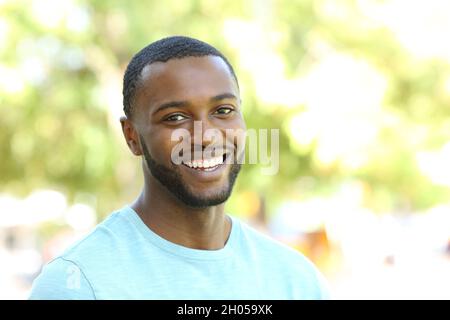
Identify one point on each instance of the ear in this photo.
(131, 135)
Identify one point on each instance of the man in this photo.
(175, 241)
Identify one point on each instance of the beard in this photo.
(171, 179)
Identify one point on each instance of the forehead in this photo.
(186, 79)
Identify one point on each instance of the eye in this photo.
(224, 110)
(175, 117)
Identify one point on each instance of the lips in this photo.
(205, 164)
(207, 170)
(211, 165)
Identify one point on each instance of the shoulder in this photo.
(99, 243)
(293, 266)
(70, 275)
(61, 279)
(272, 247)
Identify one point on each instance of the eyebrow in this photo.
(178, 104)
(172, 104)
(223, 96)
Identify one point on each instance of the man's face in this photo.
(173, 95)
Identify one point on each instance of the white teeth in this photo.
(217, 161)
(205, 164)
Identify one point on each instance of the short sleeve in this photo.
(61, 279)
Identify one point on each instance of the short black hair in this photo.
(163, 50)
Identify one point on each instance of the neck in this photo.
(197, 228)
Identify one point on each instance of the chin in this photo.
(204, 199)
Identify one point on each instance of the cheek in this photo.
(160, 145)
(238, 125)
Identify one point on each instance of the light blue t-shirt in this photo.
(124, 259)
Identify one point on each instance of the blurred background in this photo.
(360, 91)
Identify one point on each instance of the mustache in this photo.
(215, 150)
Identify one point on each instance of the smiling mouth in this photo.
(206, 164)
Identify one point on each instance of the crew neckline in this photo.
(180, 250)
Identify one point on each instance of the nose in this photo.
(205, 133)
